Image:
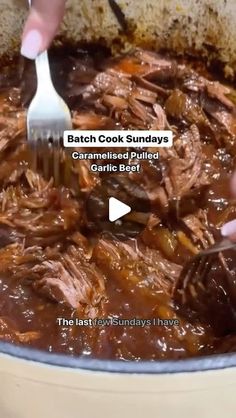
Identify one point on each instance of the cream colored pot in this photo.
(40, 385)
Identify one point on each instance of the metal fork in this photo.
(198, 267)
(48, 117)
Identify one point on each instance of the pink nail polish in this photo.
(31, 44)
(229, 229)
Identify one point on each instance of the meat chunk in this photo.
(31, 217)
(212, 98)
(178, 174)
(91, 120)
(181, 107)
(160, 69)
(72, 281)
(186, 168)
(199, 229)
(65, 277)
(135, 267)
(225, 119)
(11, 131)
(218, 91)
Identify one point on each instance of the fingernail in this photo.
(31, 44)
(229, 229)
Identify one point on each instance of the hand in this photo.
(229, 229)
(41, 26)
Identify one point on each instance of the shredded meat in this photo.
(135, 267)
(71, 280)
(56, 260)
(186, 166)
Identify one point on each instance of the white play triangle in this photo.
(117, 209)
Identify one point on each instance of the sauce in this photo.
(131, 288)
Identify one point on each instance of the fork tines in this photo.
(46, 152)
(47, 118)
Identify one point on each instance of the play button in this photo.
(117, 209)
(109, 202)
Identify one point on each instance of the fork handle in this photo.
(43, 72)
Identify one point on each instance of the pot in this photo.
(202, 28)
(37, 384)
(41, 385)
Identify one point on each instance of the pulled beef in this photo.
(159, 69)
(139, 273)
(217, 107)
(179, 106)
(217, 91)
(54, 262)
(42, 215)
(71, 280)
(199, 228)
(185, 165)
(65, 277)
(224, 118)
(135, 268)
(179, 176)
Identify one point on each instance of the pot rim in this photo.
(195, 364)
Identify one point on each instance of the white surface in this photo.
(117, 209)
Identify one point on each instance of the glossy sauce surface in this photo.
(29, 318)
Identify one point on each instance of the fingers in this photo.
(41, 26)
(229, 229)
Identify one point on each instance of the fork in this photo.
(198, 267)
(48, 117)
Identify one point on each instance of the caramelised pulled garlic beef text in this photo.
(55, 262)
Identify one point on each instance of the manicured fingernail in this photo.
(229, 229)
(31, 44)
